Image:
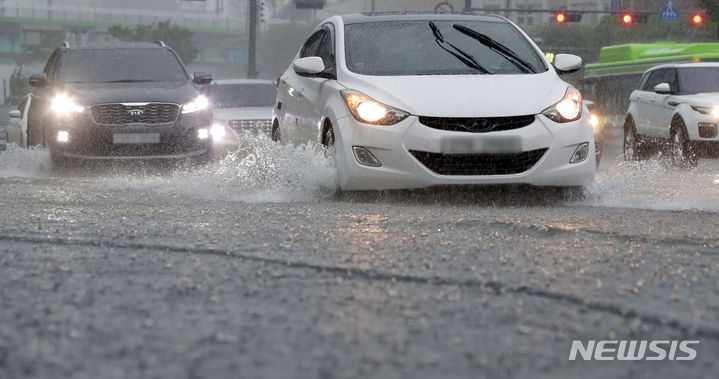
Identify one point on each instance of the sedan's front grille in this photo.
(479, 164)
(121, 114)
(477, 125)
(250, 124)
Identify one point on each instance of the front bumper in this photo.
(396, 147)
(91, 141)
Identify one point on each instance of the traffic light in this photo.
(562, 17)
(697, 19)
(633, 18)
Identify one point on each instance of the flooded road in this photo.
(269, 273)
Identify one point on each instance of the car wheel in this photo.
(328, 139)
(632, 142)
(680, 146)
(59, 162)
(276, 131)
(32, 136)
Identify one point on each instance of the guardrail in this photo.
(99, 15)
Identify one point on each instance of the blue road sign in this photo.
(669, 12)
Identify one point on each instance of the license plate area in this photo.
(481, 145)
(135, 138)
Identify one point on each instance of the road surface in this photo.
(252, 267)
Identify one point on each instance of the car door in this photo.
(292, 88)
(662, 110)
(39, 107)
(315, 89)
(17, 127)
(642, 100)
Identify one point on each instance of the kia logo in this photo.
(136, 112)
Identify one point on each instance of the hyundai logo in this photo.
(136, 112)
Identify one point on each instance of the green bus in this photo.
(610, 82)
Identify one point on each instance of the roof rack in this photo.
(160, 43)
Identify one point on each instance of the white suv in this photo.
(678, 103)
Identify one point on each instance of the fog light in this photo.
(364, 157)
(203, 133)
(63, 136)
(217, 131)
(581, 153)
(707, 130)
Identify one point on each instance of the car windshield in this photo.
(421, 47)
(243, 95)
(699, 79)
(120, 66)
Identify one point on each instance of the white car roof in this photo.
(683, 65)
(242, 81)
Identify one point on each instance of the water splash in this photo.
(656, 184)
(16, 162)
(261, 171)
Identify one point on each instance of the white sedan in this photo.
(678, 103)
(416, 100)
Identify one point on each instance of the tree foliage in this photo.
(177, 37)
(712, 12)
(586, 41)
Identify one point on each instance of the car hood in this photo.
(702, 99)
(463, 95)
(243, 113)
(101, 93)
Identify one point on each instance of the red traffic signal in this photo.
(634, 18)
(562, 17)
(627, 18)
(697, 19)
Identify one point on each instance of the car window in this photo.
(309, 49)
(670, 76)
(326, 49)
(409, 47)
(655, 77)
(21, 106)
(243, 95)
(120, 65)
(698, 80)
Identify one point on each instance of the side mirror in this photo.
(38, 80)
(567, 63)
(663, 89)
(308, 66)
(14, 114)
(202, 78)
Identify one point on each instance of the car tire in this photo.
(328, 136)
(680, 147)
(276, 132)
(33, 136)
(633, 144)
(59, 162)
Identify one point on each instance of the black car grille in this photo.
(477, 125)
(479, 164)
(119, 114)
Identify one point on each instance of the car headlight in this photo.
(566, 110)
(714, 111)
(594, 120)
(366, 109)
(197, 104)
(63, 105)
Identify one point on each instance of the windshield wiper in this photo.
(130, 81)
(457, 53)
(496, 47)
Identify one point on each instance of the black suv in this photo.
(132, 101)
